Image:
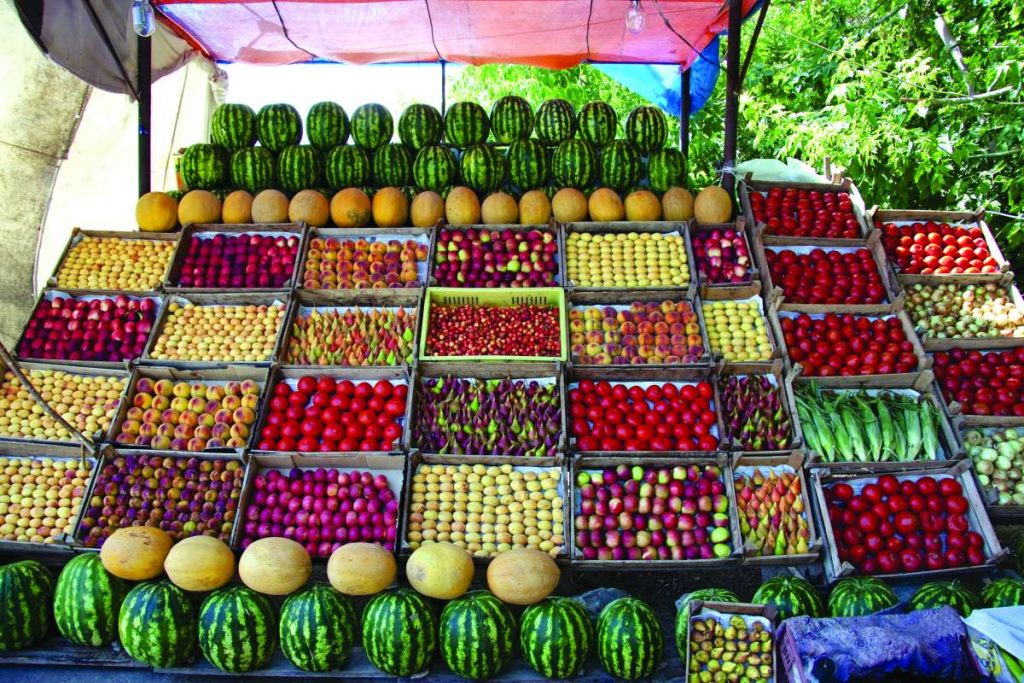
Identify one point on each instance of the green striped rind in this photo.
(26, 593)
(666, 168)
(647, 128)
(528, 165)
(476, 635)
(483, 168)
(597, 121)
(87, 601)
(555, 122)
(157, 625)
(278, 125)
(1003, 593)
(555, 637)
(399, 632)
(409, 192)
(466, 124)
(318, 628)
(434, 168)
(620, 165)
(237, 629)
(233, 126)
(574, 164)
(204, 167)
(327, 125)
(372, 126)
(392, 165)
(629, 639)
(221, 193)
(176, 195)
(298, 168)
(791, 596)
(511, 119)
(347, 166)
(253, 169)
(858, 596)
(951, 593)
(683, 612)
(420, 125)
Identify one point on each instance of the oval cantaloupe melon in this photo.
(156, 212)
(606, 206)
(270, 206)
(136, 553)
(535, 208)
(642, 205)
(351, 208)
(390, 208)
(462, 207)
(200, 564)
(361, 569)
(522, 576)
(569, 205)
(499, 208)
(440, 570)
(427, 209)
(310, 207)
(275, 566)
(199, 206)
(237, 207)
(712, 205)
(676, 204)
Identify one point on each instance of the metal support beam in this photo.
(144, 59)
(444, 88)
(684, 118)
(732, 91)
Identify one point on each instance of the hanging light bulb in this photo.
(635, 17)
(143, 19)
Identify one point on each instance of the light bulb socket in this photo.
(636, 18)
(143, 18)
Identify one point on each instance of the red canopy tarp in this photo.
(554, 34)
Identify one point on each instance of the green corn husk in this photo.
(929, 430)
(844, 440)
(848, 415)
(809, 424)
(871, 429)
(889, 438)
(912, 424)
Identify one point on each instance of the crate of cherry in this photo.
(377, 260)
(982, 388)
(796, 212)
(214, 258)
(332, 411)
(916, 524)
(322, 505)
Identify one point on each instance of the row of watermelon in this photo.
(527, 165)
(463, 125)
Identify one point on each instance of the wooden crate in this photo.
(740, 288)
(933, 344)
(954, 410)
(999, 514)
(422, 236)
(749, 366)
(750, 613)
(551, 229)
(749, 186)
(78, 234)
(778, 378)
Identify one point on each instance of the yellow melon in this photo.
(310, 207)
(440, 570)
(275, 566)
(361, 569)
(713, 205)
(643, 205)
(677, 204)
(462, 207)
(522, 576)
(427, 209)
(136, 553)
(499, 208)
(390, 208)
(270, 206)
(237, 207)
(156, 212)
(199, 206)
(534, 208)
(351, 208)
(606, 206)
(200, 564)
(569, 206)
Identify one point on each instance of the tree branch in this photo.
(966, 98)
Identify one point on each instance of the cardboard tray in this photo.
(749, 366)
(776, 377)
(1000, 342)
(750, 186)
(424, 236)
(750, 612)
(739, 225)
(552, 229)
(78, 234)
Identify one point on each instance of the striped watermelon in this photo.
(409, 192)
(392, 165)
(528, 165)
(511, 119)
(434, 168)
(483, 168)
(647, 128)
(372, 126)
(1003, 593)
(176, 195)
(204, 167)
(476, 635)
(318, 628)
(556, 121)
(237, 629)
(791, 596)
(298, 168)
(858, 596)
(278, 125)
(26, 593)
(951, 593)
(620, 165)
(597, 122)
(683, 612)
(157, 625)
(629, 639)
(87, 601)
(574, 164)
(399, 632)
(466, 124)
(666, 168)
(347, 166)
(327, 125)
(253, 169)
(555, 637)
(221, 193)
(233, 126)
(420, 125)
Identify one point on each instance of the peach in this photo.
(612, 337)
(221, 430)
(677, 328)
(202, 432)
(178, 444)
(662, 339)
(223, 416)
(160, 442)
(206, 420)
(628, 340)
(188, 418)
(197, 404)
(215, 392)
(645, 327)
(646, 339)
(672, 318)
(679, 349)
(232, 389)
(638, 360)
(196, 445)
(243, 415)
(602, 359)
(134, 414)
(576, 324)
(231, 402)
(131, 426)
(656, 317)
(180, 404)
(147, 429)
(645, 350)
(170, 416)
(593, 349)
(250, 401)
(144, 386)
(577, 349)
(628, 328)
(161, 403)
(625, 316)
(164, 387)
(143, 401)
(183, 431)
(125, 439)
(166, 429)
(239, 431)
(250, 387)
(421, 252)
(668, 306)
(661, 328)
(181, 390)
(235, 442)
(152, 415)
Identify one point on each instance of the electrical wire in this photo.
(284, 30)
(670, 27)
(430, 20)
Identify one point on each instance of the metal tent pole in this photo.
(684, 117)
(732, 91)
(444, 88)
(144, 82)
